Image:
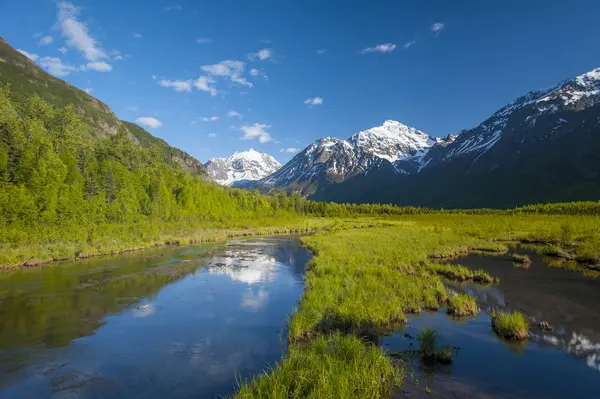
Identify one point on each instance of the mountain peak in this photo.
(241, 166)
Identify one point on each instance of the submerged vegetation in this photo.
(510, 325)
(518, 258)
(429, 347)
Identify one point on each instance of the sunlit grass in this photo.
(336, 366)
(510, 325)
(462, 305)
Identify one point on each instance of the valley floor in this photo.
(363, 282)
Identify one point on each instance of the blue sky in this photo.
(224, 76)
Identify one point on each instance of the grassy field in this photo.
(40, 247)
(364, 281)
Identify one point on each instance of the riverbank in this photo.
(363, 283)
(116, 239)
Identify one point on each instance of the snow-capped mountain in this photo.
(331, 160)
(241, 167)
(544, 146)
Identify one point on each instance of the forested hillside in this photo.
(57, 183)
(27, 79)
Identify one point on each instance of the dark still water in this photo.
(562, 363)
(174, 322)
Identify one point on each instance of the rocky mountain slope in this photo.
(241, 168)
(26, 78)
(544, 146)
(393, 146)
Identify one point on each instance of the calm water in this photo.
(562, 363)
(177, 322)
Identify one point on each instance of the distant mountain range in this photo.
(242, 168)
(544, 146)
(27, 79)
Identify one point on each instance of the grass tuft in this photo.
(518, 258)
(335, 366)
(462, 305)
(510, 325)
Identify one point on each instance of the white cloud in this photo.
(45, 40)
(137, 35)
(77, 33)
(437, 27)
(211, 135)
(178, 85)
(229, 69)
(55, 66)
(256, 72)
(203, 40)
(99, 66)
(234, 114)
(256, 131)
(380, 48)
(175, 7)
(410, 44)
(63, 50)
(262, 55)
(29, 55)
(209, 118)
(149, 121)
(321, 51)
(88, 90)
(153, 77)
(118, 58)
(203, 83)
(132, 108)
(290, 150)
(314, 101)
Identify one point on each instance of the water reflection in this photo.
(178, 322)
(566, 299)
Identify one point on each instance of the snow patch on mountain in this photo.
(241, 166)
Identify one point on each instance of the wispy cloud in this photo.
(88, 90)
(230, 69)
(149, 121)
(99, 66)
(203, 40)
(261, 55)
(45, 40)
(380, 48)
(321, 51)
(234, 114)
(62, 50)
(291, 150)
(175, 7)
(29, 55)
(209, 118)
(178, 85)
(56, 67)
(256, 131)
(314, 101)
(205, 83)
(132, 108)
(410, 44)
(437, 27)
(256, 72)
(211, 135)
(77, 33)
(138, 35)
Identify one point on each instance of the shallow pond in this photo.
(171, 322)
(561, 363)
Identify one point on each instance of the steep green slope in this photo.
(170, 154)
(26, 79)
